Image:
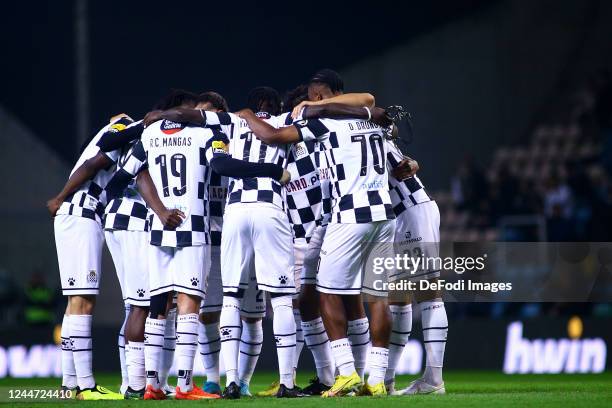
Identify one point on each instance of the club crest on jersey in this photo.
(92, 276)
(169, 127)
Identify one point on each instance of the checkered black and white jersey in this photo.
(217, 195)
(244, 145)
(356, 153)
(178, 157)
(404, 193)
(128, 212)
(304, 199)
(89, 200)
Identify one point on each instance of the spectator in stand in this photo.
(469, 186)
(558, 207)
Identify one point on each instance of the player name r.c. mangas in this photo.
(170, 141)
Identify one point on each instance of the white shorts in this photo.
(213, 301)
(257, 236)
(346, 256)
(417, 234)
(129, 250)
(312, 256)
(183, 270)
(79, 243)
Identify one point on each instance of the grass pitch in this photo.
(464, 389)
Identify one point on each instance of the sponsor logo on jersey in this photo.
(169, 127)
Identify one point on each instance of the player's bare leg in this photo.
(210, 346)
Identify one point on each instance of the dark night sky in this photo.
(138, 50)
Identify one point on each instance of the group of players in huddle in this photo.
(209, 214)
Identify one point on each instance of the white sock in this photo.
(210, 345)
(317, 341)
(435, 329)
(299, 338)
(284, 335)
(154, 342)
(401, 317)
(136, 364)
(69, 379)
(167, 356)
(186, 347)
(343, 356)
(379, 360)
(230, 329)
(80, 334)
(358, 334)
(121, 344)
(250, 348)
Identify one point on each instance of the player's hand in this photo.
(295, 113)
(285, 178)
(171, 219)
(243, 113)
(406, 168)
(380, 117)
(53, 205)
(151, 117)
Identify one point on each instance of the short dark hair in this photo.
(294, 96)
(174, 98)
(330, 78)
(215, 99)
(264, 98)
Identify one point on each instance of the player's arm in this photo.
(342, 111)
(114, 139)
(169, 218)
(85, 172)
(352, 99)
(217, 154)
(179, 115)
(268, 133)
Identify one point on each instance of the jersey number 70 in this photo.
(377, 150)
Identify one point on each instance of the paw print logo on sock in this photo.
(195, 281)
(277, 340)
(140, 292)
(146, 338)
(71, 281)
(225, 332)
(283, 279)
